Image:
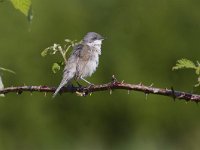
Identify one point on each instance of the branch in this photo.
(84, 91)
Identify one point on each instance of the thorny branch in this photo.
(114, 84)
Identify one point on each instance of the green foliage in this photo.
(184, 63)
(23, 6)
(57, 48)
(188, 64)
(55, 67)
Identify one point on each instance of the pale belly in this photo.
(87, 68)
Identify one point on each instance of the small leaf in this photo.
(184, 63)
(68, 40)
(55, 67)
(1, 87)
(55, 46)
(44, 52)
(7, 70)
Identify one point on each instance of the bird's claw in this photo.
(90, 85)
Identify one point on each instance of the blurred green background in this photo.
(144, 40)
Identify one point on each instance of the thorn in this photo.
(110, 91)
(45, 94)
(151, 85)
(122, 81)
(128, 91)
(140, 84)
(173, 93)
(19, 92)
(146, 95)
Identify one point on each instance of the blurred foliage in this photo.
(144, 40)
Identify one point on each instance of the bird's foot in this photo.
(90, 85)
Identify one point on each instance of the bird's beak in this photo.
(103, 38)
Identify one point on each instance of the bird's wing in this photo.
(70, 68)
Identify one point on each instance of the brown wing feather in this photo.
(84, 57)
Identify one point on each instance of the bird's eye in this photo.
(94, 38)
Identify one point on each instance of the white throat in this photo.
(96, 45)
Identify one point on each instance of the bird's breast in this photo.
(87, 68)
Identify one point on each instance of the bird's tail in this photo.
(63, 82)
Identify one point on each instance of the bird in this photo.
(83, 60)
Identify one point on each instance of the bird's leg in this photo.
(86, 81)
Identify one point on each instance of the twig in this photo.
(62, 53)
(114, 84)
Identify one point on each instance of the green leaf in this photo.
(7, 70)
(55, 67)
(1, 87)
(44, 52)
(68, 40)
(24, 6)
(198, 70)
(184, 63)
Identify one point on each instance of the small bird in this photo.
(83, 60)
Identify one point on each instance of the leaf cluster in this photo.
(58, 48)
(188, 64)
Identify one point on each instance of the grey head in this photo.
(91, 37)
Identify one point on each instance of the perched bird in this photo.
(83, 60)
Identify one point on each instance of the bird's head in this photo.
(91, 37)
